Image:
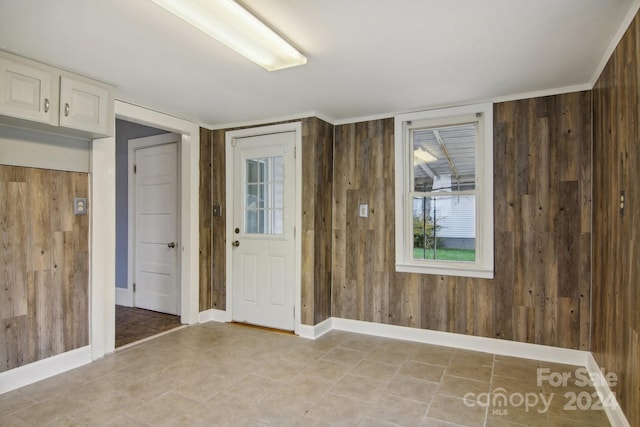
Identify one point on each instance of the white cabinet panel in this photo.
(29, 91)
(85, 105)
(39, 93)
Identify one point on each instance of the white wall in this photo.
(31, 148)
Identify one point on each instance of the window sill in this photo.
(443, 269)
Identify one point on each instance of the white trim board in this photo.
(316, 331)
(213, 315)
(427, 336)
(102, 246)
(124, 297)
(45, 368)
(466, 342)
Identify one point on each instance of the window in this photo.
(444, 191)
(264, 203)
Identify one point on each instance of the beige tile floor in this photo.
(222, 374)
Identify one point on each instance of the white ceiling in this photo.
(366, 57)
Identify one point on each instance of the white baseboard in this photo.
(316, 331)
(212, 316)
(467, 342)
(45, 368)
(611, 407)
(123, 297)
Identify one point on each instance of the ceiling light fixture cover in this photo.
(233, 25)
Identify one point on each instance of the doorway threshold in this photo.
(263, 328)
(152, 337)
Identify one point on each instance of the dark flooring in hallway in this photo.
(134, 324)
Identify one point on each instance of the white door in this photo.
(156, 219)
(263, 236)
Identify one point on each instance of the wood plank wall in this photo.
(542, 187)
(212, 228)
(616, 240)
(317, 193)
(44, 281)
(317, 164)
(205, 218)
(218, 223)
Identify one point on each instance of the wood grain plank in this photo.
(40, 226)
(307, 277)
(55, 293)
(44, 314)
(16, 351)
(567, 240)
(569, 320)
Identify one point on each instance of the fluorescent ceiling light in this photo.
(231, 24)
(423, 155)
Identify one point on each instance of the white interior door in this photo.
(263, 242)
(156, 219)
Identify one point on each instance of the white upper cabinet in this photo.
(29, 91)
(85, 105)
(39, 93)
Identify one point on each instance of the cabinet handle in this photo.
(66, 109)
(46, 105)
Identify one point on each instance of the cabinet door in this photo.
(85, 105)
(28, 91)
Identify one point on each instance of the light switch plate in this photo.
(80, 205)
(363, 212)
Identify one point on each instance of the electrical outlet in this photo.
(80, 205)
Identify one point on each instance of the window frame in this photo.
(483, 266)
(266, 178)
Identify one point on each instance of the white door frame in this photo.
(131, 215)
(265, 130)
(103, 223)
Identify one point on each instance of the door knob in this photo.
(235, 244)
(172, 245)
